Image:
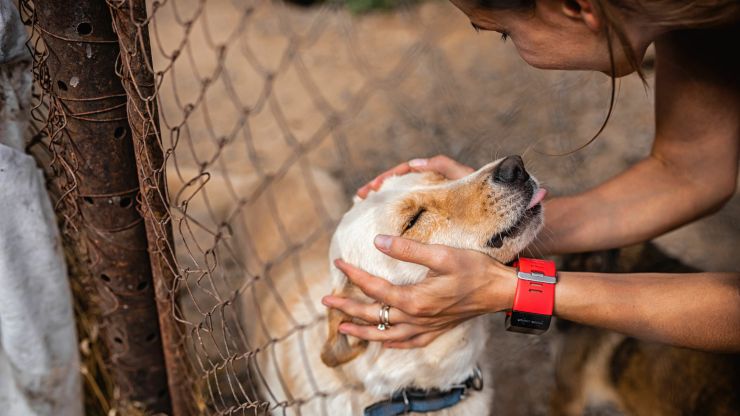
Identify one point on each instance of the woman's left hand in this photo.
(461, 284)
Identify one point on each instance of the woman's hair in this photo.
(679, 14)
(689, 14)
(686, 14)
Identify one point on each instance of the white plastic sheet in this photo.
(39, 362)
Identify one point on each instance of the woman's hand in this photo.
(461, 284)
(443, 165)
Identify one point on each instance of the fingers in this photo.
(375, 287)
(400, 336)
(395, 333)
(449, 168)
(418, 341)
(409, 305)
(367, 312)
(363, 191)
(375, 184)
(398, 170)
(437, 257)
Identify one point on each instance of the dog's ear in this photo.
(340, 348)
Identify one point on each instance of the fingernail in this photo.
(415, 163)
(343, 328)
(326, 301)
(383, 242)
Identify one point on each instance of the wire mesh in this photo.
(270, 115)
(259, 100)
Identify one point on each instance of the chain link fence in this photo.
(265, 117)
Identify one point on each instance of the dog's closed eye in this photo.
(413, 220)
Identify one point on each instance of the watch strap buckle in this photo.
(536, 277)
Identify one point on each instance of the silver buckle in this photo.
(537, 277)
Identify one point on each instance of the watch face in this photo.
(527, 323)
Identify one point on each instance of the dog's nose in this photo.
(511, 171)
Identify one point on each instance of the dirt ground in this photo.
(356, 95)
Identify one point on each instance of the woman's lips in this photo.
(538, 196)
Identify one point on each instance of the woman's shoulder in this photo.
(710, 52)
(694, 14)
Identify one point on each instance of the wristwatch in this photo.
(534, 297)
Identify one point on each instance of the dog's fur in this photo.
(304, 362)
(287, 232)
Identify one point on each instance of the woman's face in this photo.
(559, 34)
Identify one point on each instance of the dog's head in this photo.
(494, 210)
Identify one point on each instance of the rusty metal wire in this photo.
(82, 104)
(254, 104)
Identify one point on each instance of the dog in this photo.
(598, 369)
(302, 363)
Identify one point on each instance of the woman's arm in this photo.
(699, 310)
(693, 166)
(696, 310)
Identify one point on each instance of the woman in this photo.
(691, 172)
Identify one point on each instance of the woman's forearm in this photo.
(648, 200)
(699, 310)
(692, 168)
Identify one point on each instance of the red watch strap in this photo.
(532, 296)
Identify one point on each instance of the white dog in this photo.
(307, 368)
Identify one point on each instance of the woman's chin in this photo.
(547, 61)
(619, 71)
(538, 62)
(576, 61)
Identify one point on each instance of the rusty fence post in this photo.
(89, 98)
(137, 74)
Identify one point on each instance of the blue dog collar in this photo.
(418, 400)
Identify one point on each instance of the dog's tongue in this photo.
(538, 196)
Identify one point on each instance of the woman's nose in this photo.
(510, 171)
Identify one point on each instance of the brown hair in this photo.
(688, 14)
(679, 14)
